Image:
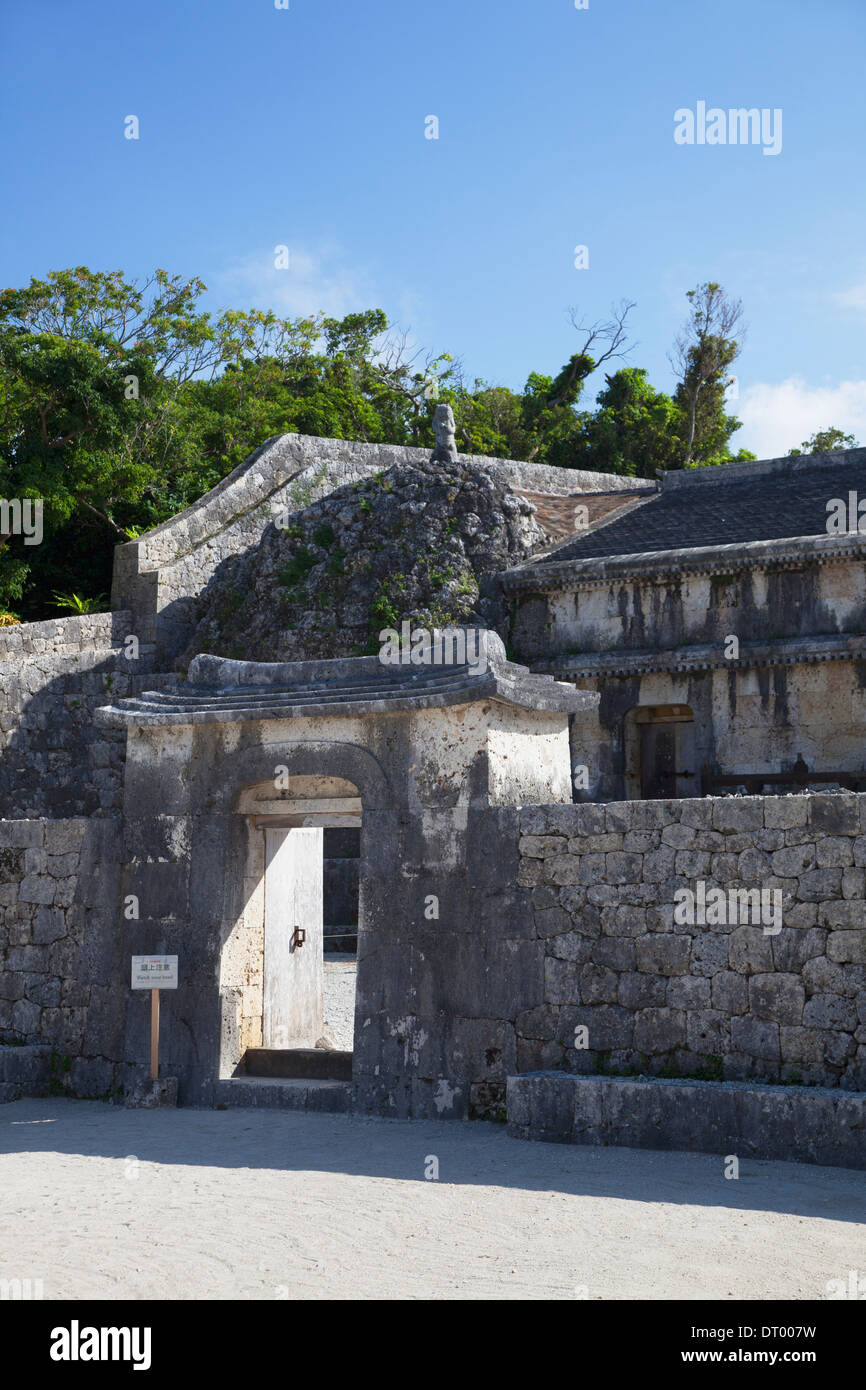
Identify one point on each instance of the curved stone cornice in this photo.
(224, 691)
(666, 566)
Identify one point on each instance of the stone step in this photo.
(302, 1063)
(324, 1097)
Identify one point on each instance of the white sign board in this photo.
(154, 972)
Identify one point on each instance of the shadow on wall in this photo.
(55, 761)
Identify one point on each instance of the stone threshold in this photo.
(323, 1097)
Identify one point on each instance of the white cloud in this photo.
(779, 416)
(852, 298)
(312, 282)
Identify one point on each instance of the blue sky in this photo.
(306, 127)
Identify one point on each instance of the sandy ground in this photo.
(102, 1202)
(341, 976)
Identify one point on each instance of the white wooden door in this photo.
(293, 965)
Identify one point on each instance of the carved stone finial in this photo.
(444, 429)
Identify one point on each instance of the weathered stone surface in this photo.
(756, 1038)
(551, 921)
(598, 985)
(791, 863)
(730, 992)
(785, 812)
(709, 954)
(609, 1026)
(419, 539)
(835, 815)
(154, 1095)
(688, 992)
(750, 951)
(540, 846)
(639, 991)
(854, 883)
(847, 946)
(663, 955)
(709, 1031)
(823, 976)
(777, 997)
(829, 1011)
(659, 1030)
(833, 852)
(738, 813)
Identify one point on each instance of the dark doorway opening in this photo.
(666, 752)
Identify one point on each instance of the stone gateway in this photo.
(599, 870)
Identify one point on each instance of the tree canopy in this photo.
(824, 442)
(124, 402)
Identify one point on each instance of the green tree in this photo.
(120, 404)
(703, 354)
(90, 366)
(824, 442)
(636, 429)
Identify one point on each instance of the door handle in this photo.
(298, 938)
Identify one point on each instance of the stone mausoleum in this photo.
(450, 889)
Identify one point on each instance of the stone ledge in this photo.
(800, 1124)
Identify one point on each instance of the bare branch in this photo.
(610, 334)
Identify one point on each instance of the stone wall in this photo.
(54, 760)
(549, 918)
(159, 575)
(62, 977)
(727, 1001)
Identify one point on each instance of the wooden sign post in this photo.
(154, 973)
(154, 1034)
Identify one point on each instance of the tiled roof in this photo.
(558, 512)
(727, 505)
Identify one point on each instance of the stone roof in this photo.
(223, 691)
(735, 503)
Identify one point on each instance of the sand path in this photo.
(102, 1202)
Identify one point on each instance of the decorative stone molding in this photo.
(661, 567)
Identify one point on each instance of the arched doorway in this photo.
(297, 991)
